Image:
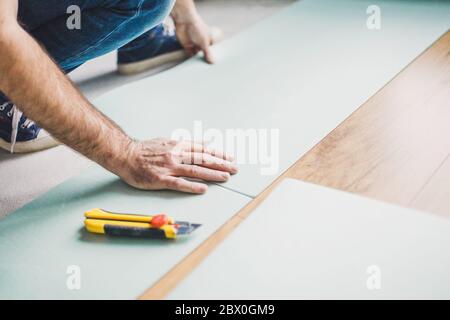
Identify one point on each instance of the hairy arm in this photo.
(35, 83)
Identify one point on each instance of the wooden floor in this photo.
(395, 148)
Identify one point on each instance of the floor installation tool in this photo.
(134, 225)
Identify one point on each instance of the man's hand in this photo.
(159, 163)
(192, 32)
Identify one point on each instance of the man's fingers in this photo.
(193, 146)
(183, 185)
(190, 51)
(185, 42)
(208, 161)
(209, 57)
(193, 171)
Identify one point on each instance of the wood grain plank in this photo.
(389, 148)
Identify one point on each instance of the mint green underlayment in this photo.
(302, 72)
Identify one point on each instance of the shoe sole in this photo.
(31, 146)
(144, 65)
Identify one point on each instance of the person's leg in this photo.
(106, 25)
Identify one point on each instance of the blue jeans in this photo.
(106, 25)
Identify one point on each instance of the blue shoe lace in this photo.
(15, 114)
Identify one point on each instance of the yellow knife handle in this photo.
(130, 229)
(107, 215)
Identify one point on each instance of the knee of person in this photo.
(157, 10)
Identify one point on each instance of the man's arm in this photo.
(41, 90)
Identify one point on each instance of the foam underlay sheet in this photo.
(44, 247)
(310, 242)
(283, 84)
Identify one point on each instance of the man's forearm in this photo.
(40, 89)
